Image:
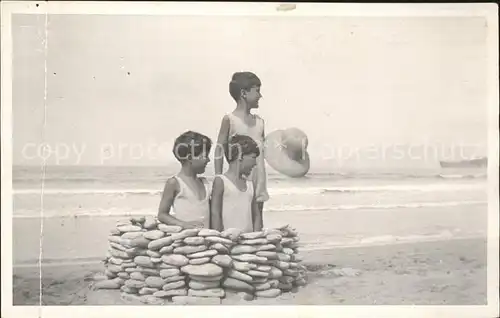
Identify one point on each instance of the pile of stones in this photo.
(154, 263)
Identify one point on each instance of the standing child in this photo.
(185, 192)
(234, 202)
(245, 90)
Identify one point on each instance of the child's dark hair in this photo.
(240, 145)
(191, 143)
(242, 80)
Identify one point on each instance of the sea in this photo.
(122, 191)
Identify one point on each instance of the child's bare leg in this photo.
(261, 208)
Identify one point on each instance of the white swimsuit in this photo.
(188, 208)
(237, 206)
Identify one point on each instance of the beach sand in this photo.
(447, 272)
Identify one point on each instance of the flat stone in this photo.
(205, 278)
(170, 293)
(252, 235)
(177, 278)
(216, 239)
(275, 273)
(164, 273)
(287, 251)
(169, 228)
(194, 240)
(128, 228)
(128, 265)
(147, 291)
(154, 282)
(166, 249)
(165, 266)
(199, 261)
(140, 242)
(259, 280)
(144, 261)
(274, 238)
(223, 261)
(149, 223)
(209, 232)
(219, 248)
(243, 249)
(154, 234)
(149, 271)
(114, 239)
(238, 285)
(152, 300)
(135, 283)
(190, 300)
(293, 265)
(262, 286)
(156, 260)
(176, 260)
(239, 275)
(208, 269)
(297, 258)
(286, 241)
(177, 244)
(255, 273)
(231, 234)
(174, 285)
(123, 275)
(274, 283)
(118, 246)
(153, 253)
(273, 232)
(286, 279)
(114, 268)
(264, 268)
(207, 253)
(115, 261)
(270, 293)
(213, 292)
(282, 265)
(185, 233)
(194, 284)
(300, 282)
(137, 276)
(291, 272)
(266, 247)
(118, 254)
(243, 266)
(132, 270)
(159, 243)
(249, 258)
(260, 241)
(267, 254)
(131, 235)
(190, 249)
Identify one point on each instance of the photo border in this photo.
(487, 10)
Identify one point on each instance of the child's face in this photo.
(247, 163)
(199, 163)
(252, 96)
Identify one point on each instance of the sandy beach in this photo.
(431, 273)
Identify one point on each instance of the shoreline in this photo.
(445, 272)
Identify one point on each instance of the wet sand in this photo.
(447, 272)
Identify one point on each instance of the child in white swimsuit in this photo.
(187, 193)
(234, 202)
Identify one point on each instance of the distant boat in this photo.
(471, 163)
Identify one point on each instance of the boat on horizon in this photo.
(470, 163)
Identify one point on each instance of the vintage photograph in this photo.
(274, 159)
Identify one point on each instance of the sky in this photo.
(120, 88)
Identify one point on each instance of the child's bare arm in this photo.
(258, 222)
(169, 192)
(222, 140)
(216, 204)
